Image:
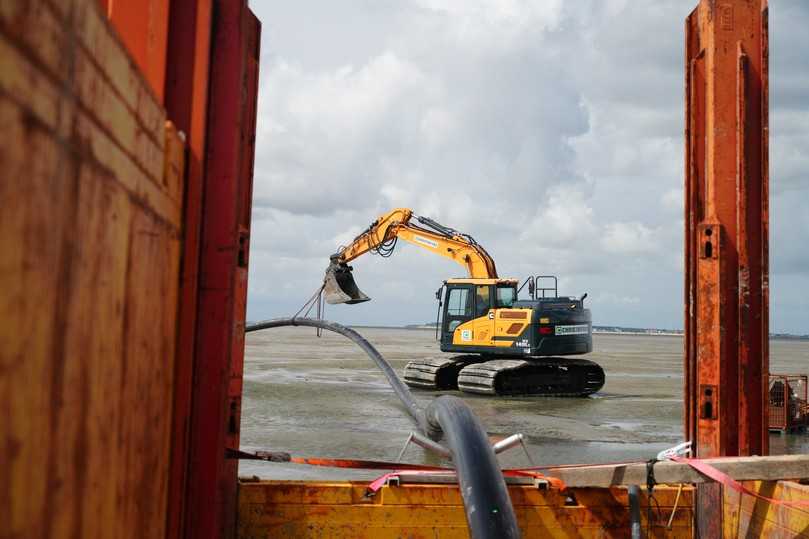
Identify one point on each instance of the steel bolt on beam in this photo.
(726, 236)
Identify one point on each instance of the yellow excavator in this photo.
(507, 346)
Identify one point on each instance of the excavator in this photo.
(503, 345)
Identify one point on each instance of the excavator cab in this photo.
(339, 285)
(474, 299)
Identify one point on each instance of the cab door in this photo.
(483, 325)
(458, 309)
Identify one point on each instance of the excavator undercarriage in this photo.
(541, 377)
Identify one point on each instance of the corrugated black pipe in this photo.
(489, 512)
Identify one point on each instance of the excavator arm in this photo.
(381, 237)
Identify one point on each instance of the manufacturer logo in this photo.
(580, 329)
(466, 334)
(426, 241)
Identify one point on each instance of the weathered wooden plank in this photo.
(38, 199)
(90, 236)
(85, 426)
(39, 94)
(143, 190)
(297, 508)
(174, 165)
(81, 34)
(107, 209)
(739, 468)
(147, 378)
(745, 514)
(334, 493)
(109, 111)
(424, 520)
(99, 38)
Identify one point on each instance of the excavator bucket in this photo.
(339, 286)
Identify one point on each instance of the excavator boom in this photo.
(381, 237)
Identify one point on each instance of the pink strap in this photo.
(380, 481)
(726, 480)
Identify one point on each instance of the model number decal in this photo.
(522, 343)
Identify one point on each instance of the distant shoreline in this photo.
(596, 331)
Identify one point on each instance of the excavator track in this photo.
(546, 377)
(437, 372)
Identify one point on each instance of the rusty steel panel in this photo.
(186, 98)
(222, 280)
(90, 235)
(726, 237)
(143, 27)
(726, 273)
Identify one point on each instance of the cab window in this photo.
(506, 296)
(458, 303)
(483, 301)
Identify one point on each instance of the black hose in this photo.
(489, 512)
(401, 390)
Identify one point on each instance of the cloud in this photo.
(549, 130)
(629, 238)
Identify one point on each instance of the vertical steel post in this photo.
(726, 233)
(211, 484)
(186, 99)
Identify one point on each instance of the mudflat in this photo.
(322, 396)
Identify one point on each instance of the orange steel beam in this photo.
(726, 236)
(215, 413)
(143, 26)
(186, 99)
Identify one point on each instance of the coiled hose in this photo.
(489, 513)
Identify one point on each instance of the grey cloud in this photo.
(551, 131)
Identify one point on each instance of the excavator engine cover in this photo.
(339, 286)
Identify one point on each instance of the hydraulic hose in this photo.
(401, 390)
(489, 513)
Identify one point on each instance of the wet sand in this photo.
(323, 397)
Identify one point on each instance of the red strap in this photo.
(726, 480)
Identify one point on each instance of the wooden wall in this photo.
(745, 516)
(270, 509)
(90, 222)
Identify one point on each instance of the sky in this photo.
(550, 130)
